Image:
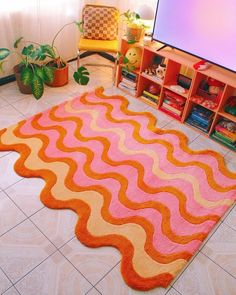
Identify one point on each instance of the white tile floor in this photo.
(39, 253)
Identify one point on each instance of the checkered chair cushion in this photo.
(100, 22)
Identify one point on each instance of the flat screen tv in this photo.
(204, 28)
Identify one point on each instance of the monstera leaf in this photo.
(81, 76)
(4, 52)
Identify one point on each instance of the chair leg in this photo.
(115, 68)
(78, 59)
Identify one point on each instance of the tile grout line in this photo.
(87, 293)
(229, 226)
(5, 188)
(107, 273)
(20, 279)
(7, 278)
(176, 291)
(59, 250)
(179, 275)
(219, 265)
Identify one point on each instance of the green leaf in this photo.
(80, 26)
(26, 75)
(16, 43)
(39, 72)
(1, 66)
(48, 73)
(37, 87)
(125, 60)
(81, 76)
(27, 50)
(4, 52)
(48, 50)
(131, 41)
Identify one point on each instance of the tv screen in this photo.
(204, 28)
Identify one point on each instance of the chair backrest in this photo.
(100, 22)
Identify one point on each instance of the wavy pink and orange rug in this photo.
(135, 187)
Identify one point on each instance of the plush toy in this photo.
(160, 71)
(151, 70)
(133, 56)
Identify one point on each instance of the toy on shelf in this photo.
(160, 71)
(151, 70)
(133, 58)
(230, 106)
(201, 65)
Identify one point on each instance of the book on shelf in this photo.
(224, 137)
(129, 75)
(175, 98)
(198, 125)
(127, 88)
(205, 121)
(154, 96)
(149, 99)
(202, 112)
(225, 131)
(129, 83)
(219, 139)
(171, 108)
(173, 104)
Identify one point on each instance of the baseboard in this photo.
(7, 79)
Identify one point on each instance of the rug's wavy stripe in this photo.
(191, 247)
(97, 166)
(216, 186)
(92, 138)
(90, 155)
(61, 140)
(62, 193)
(154, 156)
(205, 156)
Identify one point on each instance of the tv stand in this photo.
(178, 64)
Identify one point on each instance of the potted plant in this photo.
(41, 64)
(61, 72)
(31, 72)
(134, 26)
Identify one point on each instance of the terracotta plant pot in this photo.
(134, 34)
(61, 77)
(23, 88)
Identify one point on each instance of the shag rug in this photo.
(134, 186)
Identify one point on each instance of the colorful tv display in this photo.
(204, 28)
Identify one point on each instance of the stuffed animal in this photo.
(133, 56)
(151, 70)
(160, 71)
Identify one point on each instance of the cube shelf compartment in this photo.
(180, 65)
